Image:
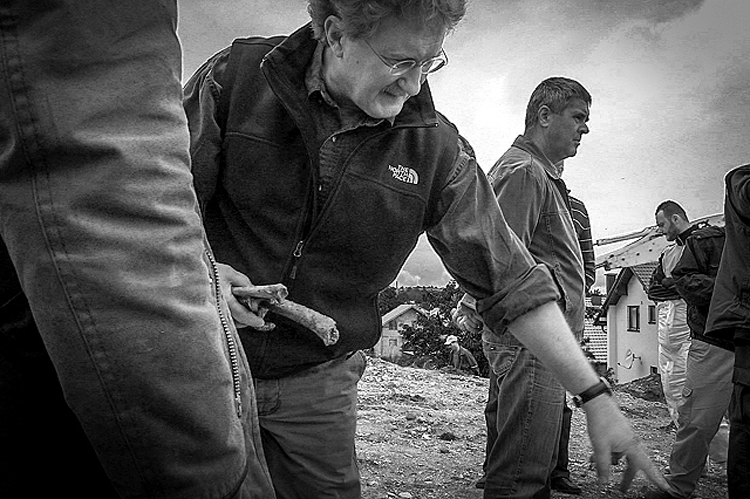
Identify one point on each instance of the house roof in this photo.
(399, 311)
(643, 272)
(619, 288)
(597, 340)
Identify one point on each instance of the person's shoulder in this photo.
(708, 231)
(257, 44)
(516, 161)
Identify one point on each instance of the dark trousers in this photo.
(45, 452)
(561, 468)
(738, 459)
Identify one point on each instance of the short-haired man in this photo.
(708, 381)
(671, 310)
(319, 159)
(526, 401)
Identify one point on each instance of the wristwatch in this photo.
(601, 387)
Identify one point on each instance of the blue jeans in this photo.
(100, 224)
(527, 415)
(308, 424)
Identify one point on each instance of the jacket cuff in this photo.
(533, 289)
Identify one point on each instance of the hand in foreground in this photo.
(611, 435)
(466, 318)
(250, 309)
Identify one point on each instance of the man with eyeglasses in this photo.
(319, 159)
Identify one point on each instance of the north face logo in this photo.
(404, 174)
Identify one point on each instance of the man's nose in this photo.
(411, 81)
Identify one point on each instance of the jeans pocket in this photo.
(499, 357)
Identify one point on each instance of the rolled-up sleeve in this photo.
(482, 253)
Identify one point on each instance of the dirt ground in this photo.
(421, 436)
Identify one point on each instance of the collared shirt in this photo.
(332, 119)
(583, 230)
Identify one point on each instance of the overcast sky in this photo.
(670, 82)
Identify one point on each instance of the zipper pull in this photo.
(238, 405)
(298, 250)
(297, 254)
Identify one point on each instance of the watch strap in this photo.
(590, 393)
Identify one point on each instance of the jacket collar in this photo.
(682, 237)
(286, 66)
(526, 144)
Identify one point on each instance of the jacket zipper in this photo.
(297, 255)
(231, 343)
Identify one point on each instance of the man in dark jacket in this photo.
(319, 159)
(729, 318)
(709, 366)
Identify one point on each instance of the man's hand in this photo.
(250, 312)
(611, 435)
(466, 318)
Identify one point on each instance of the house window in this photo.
(634, 318)
(392, 325)
(392, 342)
(652, 314)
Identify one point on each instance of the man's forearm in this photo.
(545, 332)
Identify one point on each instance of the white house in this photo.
(633, 347)
(391, 341)
(629, 315)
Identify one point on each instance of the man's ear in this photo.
(334, 34)
(543, 115)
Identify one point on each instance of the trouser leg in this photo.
(308, 424)
(100, 222)
(529, 417)
(36, 425)
(490, 419)
(561, 465)
(738, 460)
(708, 390)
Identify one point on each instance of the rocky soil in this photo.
(421, 436)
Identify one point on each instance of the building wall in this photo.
(391, 341)
(632, 354)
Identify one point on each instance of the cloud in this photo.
(423, 268)
(647, 10)
(406, 279)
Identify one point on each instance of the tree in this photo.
(427, 336)
(390, 298)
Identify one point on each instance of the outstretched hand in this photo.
(612, 437)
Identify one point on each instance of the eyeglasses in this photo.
(399, 68)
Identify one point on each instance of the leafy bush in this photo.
(426, 339)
